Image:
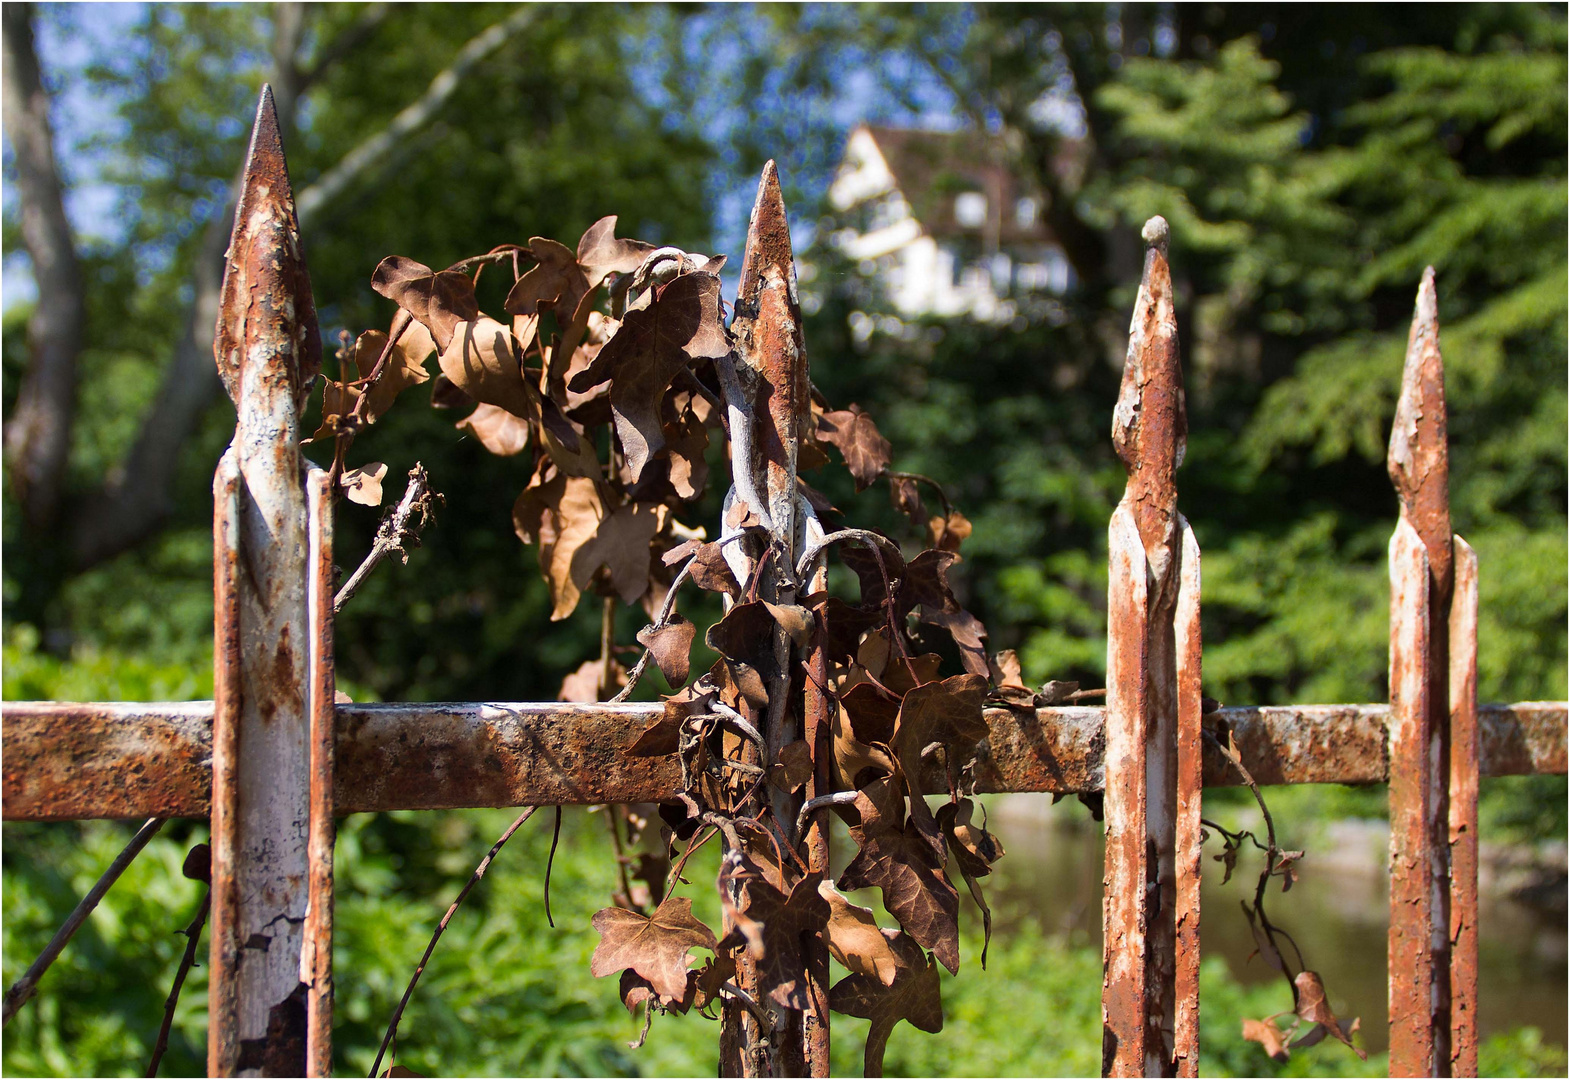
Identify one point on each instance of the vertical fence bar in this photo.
(266, 827)
(316, 961)
(1421, 581)
(1464, 758)
(769, 342)
(1150, 907)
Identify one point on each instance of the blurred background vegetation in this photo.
(1310, 159)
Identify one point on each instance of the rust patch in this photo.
(1419, 458)
(1464, 754)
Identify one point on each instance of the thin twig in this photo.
(549, 862)
(193, 934)
(23, 989)
(396, 530)
(479, 872)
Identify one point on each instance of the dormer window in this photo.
(970, 209)
(1025, 213)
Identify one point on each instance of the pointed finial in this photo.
(767, 329)
(1150, 425)
(1419, 459)
(266, 295)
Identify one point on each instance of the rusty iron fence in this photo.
(272, 759)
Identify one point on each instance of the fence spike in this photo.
(271, 932)
(1422, 578)
(1150, 423)
(1419, 458)
(1154, 759)
(265, 263)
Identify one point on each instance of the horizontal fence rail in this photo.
(67, 761)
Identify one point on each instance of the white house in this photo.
(950, 227)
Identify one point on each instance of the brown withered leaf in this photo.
(584, 684)
(364, 485)
(680, 325)
(843, 627)
(601, 252)
(855, 940)
(338, 400)
(1316, 1035)
(1008, 684)
(444, 395)
(481, 360)
(865, 564)
(852, 757)
(709, 570)
(555, 277)
(915, 995)
(974, 850)
(663, 735)
(947, 712)
(685, 445)
(794, 768)
(671, 645)
(855, 436)
(1314, 1007)
(656, 946)
(794, 619)
(947, 533)
(405, 365)
(621, 545)
(438, 299)
(898, 858)
(872, 712)
(905, 496)
(969, 635)
(782, 922)
(901, 673)
(1266, 1034)
(1267, 948)
(498, 430)
(926, 582)
(567, 525)
(745, 634)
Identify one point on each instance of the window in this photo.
(970, 209)
(1025, 213)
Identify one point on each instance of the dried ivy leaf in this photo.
(440, 300)
(671, 645)
(1267, 948)
(364, 485)
(947, 712)
(855, 436)
(974, 850)
(745, 634)
(1313, 1006)
(584, 684)
(782, 923)
(405, 365)
(651, 868)
(1008, 684)
(601, 252)
(498, 430)
(969, 635)
(663, 735)
(1266, 1034)
(915, 995)
(555, 278)
(843, 627)
(481, 360)
(897, 857)
(1286, 868)
(656, 947)
(444, 395)
(568, 524)
(685, 446)
(869, 566)
(947, 533)
(681, 324)
(852, 757)
(794, 767)
(621, 545)
(710, 570)
(794, 619)
(905, 496)
(338, 400)
(872, 712)
(1316, 1035)
(855, 939)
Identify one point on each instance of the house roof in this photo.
(932, 167)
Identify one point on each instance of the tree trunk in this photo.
(38, 433)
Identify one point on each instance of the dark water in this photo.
(1337, 912)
